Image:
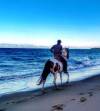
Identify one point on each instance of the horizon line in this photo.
(14, 45)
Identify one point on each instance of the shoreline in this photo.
(75, 76)
(80, 87)
(38, 91)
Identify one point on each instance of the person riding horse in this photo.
(57, 52)
(57, 64)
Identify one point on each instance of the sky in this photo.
(43, 22)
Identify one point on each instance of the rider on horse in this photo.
(56, 65)
(57, 51)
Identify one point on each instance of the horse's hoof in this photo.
(61, 85)
(38, 84)
(44, 92)
(67, 83)
(56, 88)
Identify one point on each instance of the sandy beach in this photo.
(78, 96)
(48, 43)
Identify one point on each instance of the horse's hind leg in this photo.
(43, 83)
(39, 81)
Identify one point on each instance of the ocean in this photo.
(21, 68)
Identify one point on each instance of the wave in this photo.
(83, 63)
(15, 77)
(5, 65)
(79, 65)
(19, 63)
(21, 59)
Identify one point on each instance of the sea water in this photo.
(21, 68)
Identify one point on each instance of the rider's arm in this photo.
(61, 48)
(67, 53)
(52, 49)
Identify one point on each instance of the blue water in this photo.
(21, 68)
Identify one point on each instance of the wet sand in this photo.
(77, 96)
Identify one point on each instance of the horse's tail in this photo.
(45, 72)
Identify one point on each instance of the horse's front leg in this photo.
(67, 78)
(55, 78)
(61, 77)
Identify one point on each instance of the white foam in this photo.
(31, 83)
(73, 76)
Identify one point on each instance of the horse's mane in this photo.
(64, 53)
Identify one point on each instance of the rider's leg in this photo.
(57, 57)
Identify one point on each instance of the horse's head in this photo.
(64, 53)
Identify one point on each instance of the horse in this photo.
(54, 66)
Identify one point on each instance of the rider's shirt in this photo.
(57, 49)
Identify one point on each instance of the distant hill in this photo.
(3, 45)
(95, 48)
